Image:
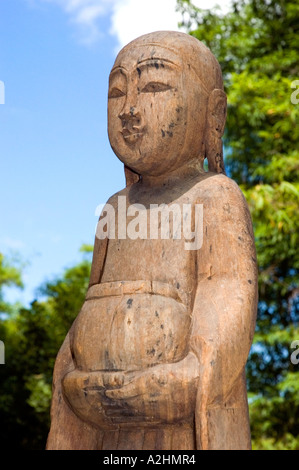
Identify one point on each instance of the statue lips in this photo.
(132, 136)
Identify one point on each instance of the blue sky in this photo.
(56, 164)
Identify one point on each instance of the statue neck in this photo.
(190, 169)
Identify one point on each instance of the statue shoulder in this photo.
(114, 199)
(224, 204)
(217, 187)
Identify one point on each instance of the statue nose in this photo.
(129, 112)
(130, 118)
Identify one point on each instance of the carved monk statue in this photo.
(156, 357)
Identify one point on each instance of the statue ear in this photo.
(217, 111)
(216, 116)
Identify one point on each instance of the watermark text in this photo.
(158, 221)
(295, 354)
(294, 99)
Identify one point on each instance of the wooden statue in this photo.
(156, 357)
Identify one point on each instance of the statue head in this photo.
(166, 104)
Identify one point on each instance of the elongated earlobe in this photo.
(216, 117)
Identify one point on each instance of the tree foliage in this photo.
(257, 46)
(10, 275)
(32, 338)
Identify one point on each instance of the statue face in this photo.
(155, 114)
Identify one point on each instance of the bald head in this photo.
(189, 50)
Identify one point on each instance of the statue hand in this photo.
(160, 394)
(85, 393)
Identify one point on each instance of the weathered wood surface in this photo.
(156, 357)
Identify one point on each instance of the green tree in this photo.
(257, 44)
(10, 276)
(32, 339)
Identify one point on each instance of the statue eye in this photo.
(155, 87)
(116, 93)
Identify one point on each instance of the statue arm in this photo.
(98, 260)
(67, 431)
(101, 244)
(224, 315)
